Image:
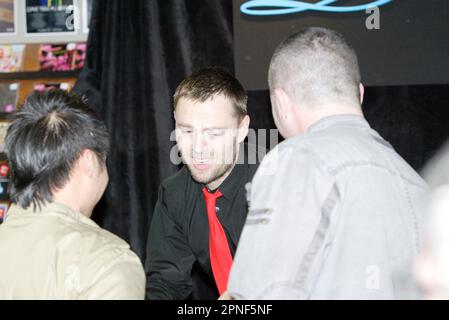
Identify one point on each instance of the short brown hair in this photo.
(206, 83)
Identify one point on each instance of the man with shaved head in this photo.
(338, 218)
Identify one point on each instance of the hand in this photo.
(226, 296)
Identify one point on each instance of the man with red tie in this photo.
(201, 209)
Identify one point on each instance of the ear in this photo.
(362, 93)
(243, 128)
(282, 104)
(86, 162)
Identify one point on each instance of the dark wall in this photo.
(414, 119)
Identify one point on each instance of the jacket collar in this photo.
(53, 208)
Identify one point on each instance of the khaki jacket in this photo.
(57, 253)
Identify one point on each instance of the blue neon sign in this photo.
(262, 7)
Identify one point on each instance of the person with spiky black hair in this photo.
(49, 247)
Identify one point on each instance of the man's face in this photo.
(285, 114)
(94, 180)
(103, 178)
(277, 117)
(208, 134)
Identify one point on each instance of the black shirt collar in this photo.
(229, 185)
(239, 173)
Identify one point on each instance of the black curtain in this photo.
(139, 50)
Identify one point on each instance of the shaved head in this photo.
(314, 67)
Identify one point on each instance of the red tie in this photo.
(220, 255)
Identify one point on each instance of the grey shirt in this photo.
(334, 214)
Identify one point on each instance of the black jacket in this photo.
(178, 263)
